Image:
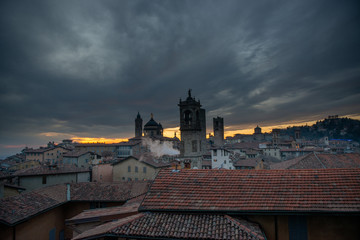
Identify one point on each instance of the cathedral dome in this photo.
(151, 123)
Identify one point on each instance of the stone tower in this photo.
(218, 124)
(138, 125)
(275, 137)
(193, 130)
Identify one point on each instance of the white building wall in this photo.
(220, 158)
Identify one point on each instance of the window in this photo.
(144, 169)
(129, 168)
(44, 179)
(129, 179)
(187, 117)
(215, 152)
(136, 169)
(215, 160)
(123, 178)
(225, 161)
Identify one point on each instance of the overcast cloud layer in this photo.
(84, 68)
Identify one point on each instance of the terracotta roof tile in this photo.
(147, 158)
(50, 170)
(97, 214)
(178, 226)
(324, 190)
(25, 205)
(76, 153)
(316, 161)
(104, 228)
(248, 162)
(19, 208)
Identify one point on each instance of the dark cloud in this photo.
(85, 68)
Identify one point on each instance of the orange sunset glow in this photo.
(98, 140)
(229, 131)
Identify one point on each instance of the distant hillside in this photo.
(333, 127)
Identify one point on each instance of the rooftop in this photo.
(316, 161)
(245, 191)
(19, 208)
(76, 154)
(147, 158)
(178, 226)
(50, 170)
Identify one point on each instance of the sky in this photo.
(83, 69)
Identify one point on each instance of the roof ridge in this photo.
(319, 160)
(243, 227)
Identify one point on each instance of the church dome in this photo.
(151, 122)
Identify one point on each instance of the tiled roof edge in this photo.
(253, 212)
(233, 220)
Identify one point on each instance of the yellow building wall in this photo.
(34, 157)
(121, 173)
(25, 165)
(51, 156)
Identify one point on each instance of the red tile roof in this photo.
(316, 160)
(19, 208)
(95, 215)
(50, 170)
(105, 228)
(76, 153)
(148, 159)
(243, 145)
(302, 150)
(42, 150)
(244, 191)
(114, 191)
(248, 162)
(178, 226)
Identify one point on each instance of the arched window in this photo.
(188, 117)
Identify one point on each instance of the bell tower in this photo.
(193, 129)
(138, 125)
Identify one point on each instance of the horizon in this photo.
(84, 69)
(170, 134)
